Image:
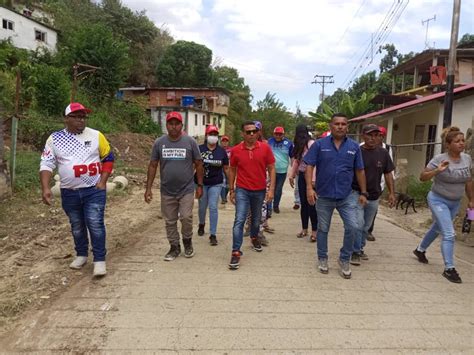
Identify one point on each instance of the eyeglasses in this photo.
(78, 117)
(252, 131)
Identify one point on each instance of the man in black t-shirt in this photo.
(377, 162)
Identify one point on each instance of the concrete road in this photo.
(277, 302)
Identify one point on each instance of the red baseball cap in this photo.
(74, 107)
(225, 138)
(211, 128)
(325, 134)
(279, 129)
(175, 115)
(383, 130)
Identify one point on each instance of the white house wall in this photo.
(463, 113)
(23, 33)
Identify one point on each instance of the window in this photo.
(7, 24)
(196, 119)
(203, 120)
(40, 36)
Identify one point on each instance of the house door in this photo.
(431, 139)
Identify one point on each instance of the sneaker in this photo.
(323, 266)
(174, 252)
(363, 255)
(370, 237)
(201, 230)
(263, 240)
(296, 206)
(345, 270)
(421, 256)
(99, 268)
(276, 210)
(188, 248)
(213, 240)
(235, 260)
(256, 244)
(355, 259)
(452, 275)
(78, 262)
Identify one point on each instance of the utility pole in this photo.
(448, 99)
(76, 75)
(427, 21)
(323, 80)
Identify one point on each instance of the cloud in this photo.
(278, 46)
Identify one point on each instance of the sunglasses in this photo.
(252, 131)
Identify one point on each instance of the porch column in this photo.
(393, 83)
(388, 140)
(403, 81)
(415, 77)
(439, 127)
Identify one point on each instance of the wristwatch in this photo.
(365, 194)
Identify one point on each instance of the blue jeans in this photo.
(246, 200)
(210, 197)
(325, 208)
(365, 218)
(85, 209)
(443, 211)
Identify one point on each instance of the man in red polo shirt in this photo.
(249, 162)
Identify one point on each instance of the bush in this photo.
(35, 129)
(134, 117)
(102, 121)
(418, 189)
(27, 170)
(52, 90)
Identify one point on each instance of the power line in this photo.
(384, 30)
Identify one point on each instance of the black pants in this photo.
(306, 211)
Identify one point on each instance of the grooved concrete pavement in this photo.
(277, 302)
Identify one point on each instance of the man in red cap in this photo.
(282, 149)
(84, 161)
(179, 157)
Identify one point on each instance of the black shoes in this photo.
(213, 240)
(188, 248)
(235, 260)
(256, 245)
(276, 210)
(370, 237)
(355, 259)
(452, 275)
(174, 252)
(201, 230)
(421, 256)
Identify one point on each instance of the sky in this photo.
(279, 46)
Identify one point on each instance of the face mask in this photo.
(212, 139)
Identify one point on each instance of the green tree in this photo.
(95, 45)
(52, 89)
(240, 97)
(185, 64)
(466, 41)
(272, 112)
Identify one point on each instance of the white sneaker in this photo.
(78, 262)
(99, 268)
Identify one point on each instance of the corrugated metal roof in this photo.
(406, 105)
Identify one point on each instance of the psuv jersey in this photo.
(80, 158)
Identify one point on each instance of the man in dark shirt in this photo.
(336, 158)
(377, 162)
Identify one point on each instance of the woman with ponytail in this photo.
(451, 174)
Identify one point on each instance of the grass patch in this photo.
(27, 171)
(418, 189)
